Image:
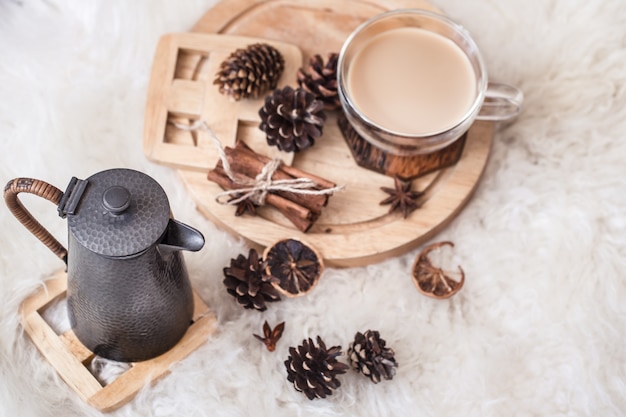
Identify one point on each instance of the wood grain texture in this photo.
(181, 90)
(69, 356)
(354, 229)
(406, 167)
(316, 26)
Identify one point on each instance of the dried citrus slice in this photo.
(296, 266)
(432, 280)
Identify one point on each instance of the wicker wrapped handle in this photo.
(41, 189)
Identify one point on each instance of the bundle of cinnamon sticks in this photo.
(301, 209)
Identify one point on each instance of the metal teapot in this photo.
(129, 297)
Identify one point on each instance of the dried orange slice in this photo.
(296, 266)
(432, 280)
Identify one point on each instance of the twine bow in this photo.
(256, 190)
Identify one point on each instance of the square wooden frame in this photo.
(69, 356)
(181, 92)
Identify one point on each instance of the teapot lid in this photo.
(122, 212)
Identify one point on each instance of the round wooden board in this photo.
(354, 229)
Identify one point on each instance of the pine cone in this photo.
(292, 119)
(321, 80)
(246, 281)
(313, 369)
(368, 355)
(250, 72)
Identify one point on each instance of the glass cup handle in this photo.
(502, 102)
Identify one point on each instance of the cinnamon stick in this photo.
(249, 164)
(288, 169)
(301, 217)
(301, 209)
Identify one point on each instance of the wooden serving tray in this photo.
(70, 357)
(353, 229)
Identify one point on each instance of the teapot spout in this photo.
(179, 236)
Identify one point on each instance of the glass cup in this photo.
(489, 101)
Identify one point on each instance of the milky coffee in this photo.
(412, 81)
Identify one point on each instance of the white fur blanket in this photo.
(538, 329)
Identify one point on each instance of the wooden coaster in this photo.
(70, 357)
(406, 167)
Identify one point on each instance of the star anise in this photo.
(244, 206)
(402, 197)
(270, 337)
(432, 280)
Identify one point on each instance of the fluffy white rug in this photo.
(538, 329)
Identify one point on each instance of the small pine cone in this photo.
(245, 280)
(313, 369)
(292, 119)
(250, 72)
(368, 355)
(321, 80)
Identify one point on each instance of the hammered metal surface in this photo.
(128, 233)
(128, 309)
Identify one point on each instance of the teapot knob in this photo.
(116, 199)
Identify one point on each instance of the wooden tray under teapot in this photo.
(70, 358)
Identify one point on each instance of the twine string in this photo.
(256, 190)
